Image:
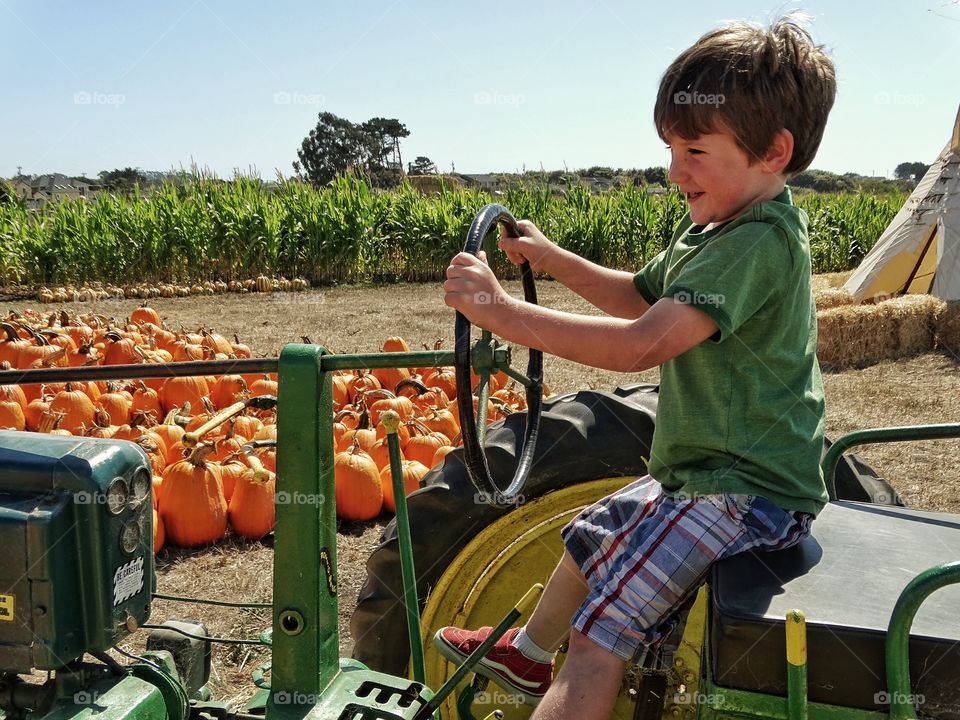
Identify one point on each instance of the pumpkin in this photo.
(423, 443)
(359, 494)
(76, 406)
(144, 314)
(252, 511)
(192, 506)
(412, 473)
(146, 400)
(116, 405)
(11, 411)
(184, 389)
(227, 390)
(159, 534)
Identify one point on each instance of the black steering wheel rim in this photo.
(474, 457)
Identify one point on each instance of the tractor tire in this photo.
(584, 437)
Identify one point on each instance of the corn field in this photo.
(207, 229)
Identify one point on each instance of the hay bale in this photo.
(947, 328)
(914, 317)
(829, 281)
(832, 297)
(858, 335)
(852, 335)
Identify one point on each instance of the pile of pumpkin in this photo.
(210, 474)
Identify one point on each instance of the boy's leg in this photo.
(522, 660)
(587, 685)
(565, 592)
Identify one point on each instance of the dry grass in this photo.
(924, 389)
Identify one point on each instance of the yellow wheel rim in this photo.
(489, 576)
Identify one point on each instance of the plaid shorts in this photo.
(644, 554)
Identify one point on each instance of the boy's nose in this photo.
(677, 173)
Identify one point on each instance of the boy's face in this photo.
(717, 178)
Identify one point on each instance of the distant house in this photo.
(490, 183)
(55, 187)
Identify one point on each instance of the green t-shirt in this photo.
(742, 412)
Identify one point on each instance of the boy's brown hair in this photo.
(751, 82)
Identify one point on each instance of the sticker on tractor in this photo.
(6, 608)
(328, 569)
(127, 580)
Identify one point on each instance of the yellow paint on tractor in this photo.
(491, 574)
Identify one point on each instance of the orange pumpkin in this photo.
(412, 473)
(227, 390)
(179, 390)
(11, 411)
(359, 494)
(76, 406)
(159, 534)
(252, 511)
(144, 314)
(192, 506)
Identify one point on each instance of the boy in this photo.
(727, 312)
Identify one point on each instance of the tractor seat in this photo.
(846, 578)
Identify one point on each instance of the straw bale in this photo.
(832, 297)
(947, 328)
(828, 281)
(858, 335)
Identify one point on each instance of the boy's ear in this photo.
(780, 152)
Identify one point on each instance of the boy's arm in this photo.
(612, 291)
(668, 329)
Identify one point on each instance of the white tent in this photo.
(919, 252)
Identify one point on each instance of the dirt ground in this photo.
(924, 389)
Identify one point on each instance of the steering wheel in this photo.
(485, 355)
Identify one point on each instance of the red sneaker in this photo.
(504, 664)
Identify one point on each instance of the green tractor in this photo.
(830, 628)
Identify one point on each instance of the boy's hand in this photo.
(533, 246)
(472, 289)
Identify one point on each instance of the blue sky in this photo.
(493, 86)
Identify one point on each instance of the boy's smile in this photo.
(717, 179)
